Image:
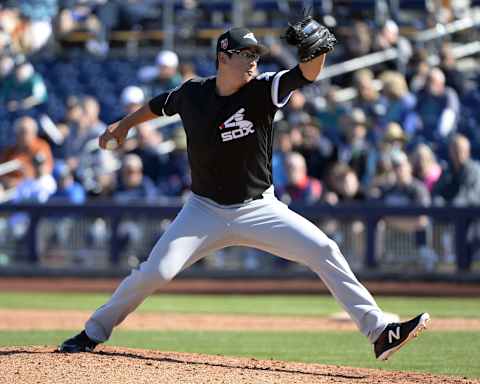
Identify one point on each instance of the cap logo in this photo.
(250, 36)
(224, 44)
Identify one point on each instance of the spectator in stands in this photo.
(393, 141)
(132, 98)
(175, 180)
(343, 185)
(331, 114)
(26, 90)
(34, 189)
(400, 103)
(164, 76)
(71, 139)
(393, 138)
(296, 111)
(147, 147)
(36, 22)
(300, 187)
(454, 78)
(282, 145)
(80, 17)
(368, 99)
(442, 12)
(133, 185)
(359, 41)
(318, 150)
(40, 186)
(425, 166)
(438, 107)
(356, 150)
(68, 190)
(389, 37)
(384, 175)
(97, 171)
(27, 146)
(419, 69)
(84, 127)
(459, 184)
(408, 191)
(10, 25)
(91, 110)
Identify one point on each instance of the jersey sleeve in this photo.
(168, 103)
(283, 83)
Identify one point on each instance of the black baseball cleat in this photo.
(78, 343)
(396, 335)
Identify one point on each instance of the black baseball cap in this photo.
(239, 38)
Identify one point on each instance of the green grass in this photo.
(243, 304)
(452, 353)
(449, 353)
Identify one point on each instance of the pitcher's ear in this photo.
(222, 57)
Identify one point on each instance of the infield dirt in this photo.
(122, 365)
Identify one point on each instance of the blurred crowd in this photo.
(404, 132)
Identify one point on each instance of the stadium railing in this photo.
(369, 213)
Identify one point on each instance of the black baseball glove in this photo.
(311, 38)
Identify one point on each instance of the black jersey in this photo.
(230, 138)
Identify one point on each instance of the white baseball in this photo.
(111, 144)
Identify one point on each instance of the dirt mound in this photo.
(122, 365)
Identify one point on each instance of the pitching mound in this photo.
(122, 365)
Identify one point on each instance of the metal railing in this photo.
(10, 166)
(439, 31)
(369, 214)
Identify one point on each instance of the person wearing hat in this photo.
(132, 98)
(394, 134)
(163, 76)
(228, 124)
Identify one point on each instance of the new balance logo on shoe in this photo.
(395, 334)
(245, 127)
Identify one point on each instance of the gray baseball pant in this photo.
(203, 226)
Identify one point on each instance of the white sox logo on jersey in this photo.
(237, 120)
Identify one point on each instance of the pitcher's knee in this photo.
(327, 251)
(154, 275)
(332, 248)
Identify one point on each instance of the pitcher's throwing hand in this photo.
(113, 137)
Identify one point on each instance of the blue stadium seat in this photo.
(413, 4)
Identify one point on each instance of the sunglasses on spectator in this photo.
(247, 55)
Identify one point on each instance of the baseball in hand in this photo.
(111, 144)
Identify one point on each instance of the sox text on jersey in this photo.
(245, 127)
